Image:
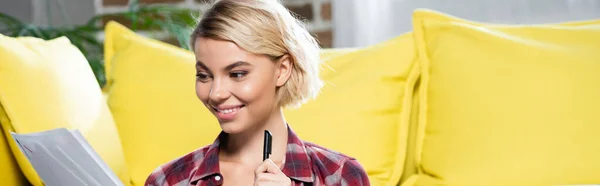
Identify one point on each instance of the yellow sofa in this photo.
(454, 102)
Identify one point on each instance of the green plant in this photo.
(175, 22)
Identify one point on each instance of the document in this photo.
(63, 157)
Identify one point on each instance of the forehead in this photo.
(209, 50)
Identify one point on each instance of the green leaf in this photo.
(133, 9)
(77, 42)
(37, 32)
(10, 21)
(87, 36)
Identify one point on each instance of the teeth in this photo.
(227, 111)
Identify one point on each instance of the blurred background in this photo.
(335, 23)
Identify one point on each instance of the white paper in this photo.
(62, 157)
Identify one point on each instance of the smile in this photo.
(228, 110)
(227, 113)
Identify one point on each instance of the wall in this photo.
(340, 23)
(49, 12)
(360, 23)
(19, 9)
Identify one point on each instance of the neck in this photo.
(247, 147)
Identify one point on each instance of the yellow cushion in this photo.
(151, 93)
(47, 85)
(10, 174)
(411, 165)
(507, 105)
(363, 109)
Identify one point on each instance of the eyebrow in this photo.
(236, 64)
(201, 65)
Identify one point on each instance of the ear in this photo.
(284, 69)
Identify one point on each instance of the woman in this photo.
(253, 59)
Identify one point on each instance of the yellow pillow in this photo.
(10, 174)
(47, 85)
(151, 93)
(364, 107)
(507, 105)
(410, 165)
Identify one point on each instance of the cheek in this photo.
(202, 91)
(255, 90)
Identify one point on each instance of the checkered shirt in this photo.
(306, 164)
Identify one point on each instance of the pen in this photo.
(267, 145)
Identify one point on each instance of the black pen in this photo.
(267, 145)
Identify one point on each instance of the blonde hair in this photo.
(266, 27)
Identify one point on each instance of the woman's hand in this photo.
(268, 174)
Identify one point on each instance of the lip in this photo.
(227, 112)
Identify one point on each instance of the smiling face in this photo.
(237, 86)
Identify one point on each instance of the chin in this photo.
(232, 127)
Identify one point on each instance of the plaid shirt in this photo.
(305, 163)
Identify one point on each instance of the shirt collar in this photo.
(297, 163)
(209, 165)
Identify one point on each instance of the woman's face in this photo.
(238, 87)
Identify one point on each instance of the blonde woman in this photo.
(253, 59)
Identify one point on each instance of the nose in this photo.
(219, 91)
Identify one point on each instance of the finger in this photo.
(260, 169)
(272, 167)
(265, 177)
(267, 166)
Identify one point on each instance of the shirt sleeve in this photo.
(152, 178)
(354, 174)
(150, 182)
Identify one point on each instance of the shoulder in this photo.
(336, 168)
(177, 170)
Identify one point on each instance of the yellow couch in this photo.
(454, 102)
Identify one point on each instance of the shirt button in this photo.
(218, 178)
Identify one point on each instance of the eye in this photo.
(202, 77)
(238, 74)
